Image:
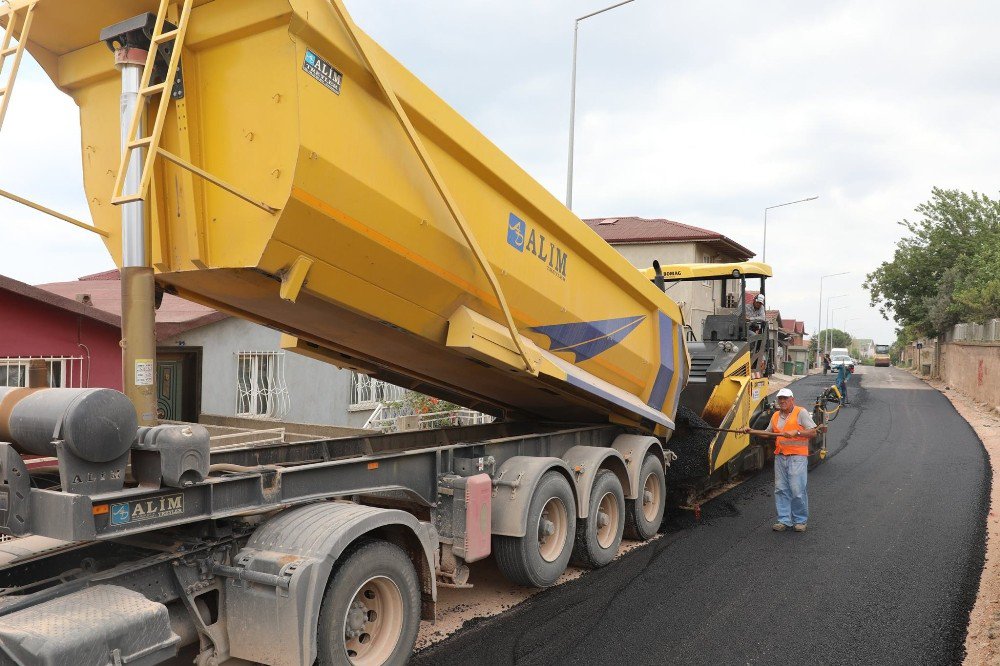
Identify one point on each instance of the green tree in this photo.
(839, 339)
(946, 270)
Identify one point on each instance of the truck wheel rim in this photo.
(650, 498)
(609, 508)
(552, 526)
(373, 622)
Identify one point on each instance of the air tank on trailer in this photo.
(96, 425)
(305, 180)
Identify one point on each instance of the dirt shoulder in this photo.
(982, 643)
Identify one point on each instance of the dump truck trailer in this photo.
(268, 159)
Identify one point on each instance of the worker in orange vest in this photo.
(792, 427)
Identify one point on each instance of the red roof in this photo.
(794, 326)
(619, 230)
(68, 304)
(175, 315)
(113, 274)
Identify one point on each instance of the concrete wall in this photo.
(922, 361)
(319, 393)
(642, 255)
(973, 368)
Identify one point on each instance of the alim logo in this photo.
(523, 238)
(147, 509)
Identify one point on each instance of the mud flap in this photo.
(15, 492)
(273, 607)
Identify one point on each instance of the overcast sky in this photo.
(704, 113)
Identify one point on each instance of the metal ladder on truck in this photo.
(171, 39)
(13, 15)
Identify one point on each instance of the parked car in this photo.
(839, 360)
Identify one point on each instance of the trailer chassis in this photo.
(265, 535)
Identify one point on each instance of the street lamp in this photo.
(764, 250)
(829, 332)
(829, 338)
(848, 321)
(819, 317)
(572, 99)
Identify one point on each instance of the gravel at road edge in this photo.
(982, 643)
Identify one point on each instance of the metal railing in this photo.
(64, 371)
(388, 422)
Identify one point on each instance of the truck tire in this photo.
(371, 608)
(644, 514)
(599, 535)
(539, 557)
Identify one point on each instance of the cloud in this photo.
(704, 113)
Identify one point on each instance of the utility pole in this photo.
(572, 99)
(819, 317)
(789, 203)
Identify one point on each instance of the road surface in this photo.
(886, 573)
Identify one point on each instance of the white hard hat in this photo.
(785, 393)
(759, 299)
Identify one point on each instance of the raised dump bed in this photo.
(276, 100)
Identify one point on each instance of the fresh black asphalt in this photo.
(887, 572)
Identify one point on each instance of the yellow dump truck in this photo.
(268, 159)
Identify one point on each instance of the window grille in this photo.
(368, 392)
(261, 389)
(64, 371)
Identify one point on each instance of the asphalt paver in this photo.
(887, 572)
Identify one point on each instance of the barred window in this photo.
(64, 371)
(368, 392)
(261, 389)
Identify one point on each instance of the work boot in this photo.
(801, 527)
(779, 527)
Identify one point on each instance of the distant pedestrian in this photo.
(826, 363)
(792, 427)
(842, 374)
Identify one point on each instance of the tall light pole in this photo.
(829, 335)
(848, 321)
(572, 99)
(789, 203)
(842, 307)
(819, 317)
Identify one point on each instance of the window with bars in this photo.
(64, 371)
(368, 392)
(261, 389)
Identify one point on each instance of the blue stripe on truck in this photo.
(666, 372)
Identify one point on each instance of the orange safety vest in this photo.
(789, 445)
